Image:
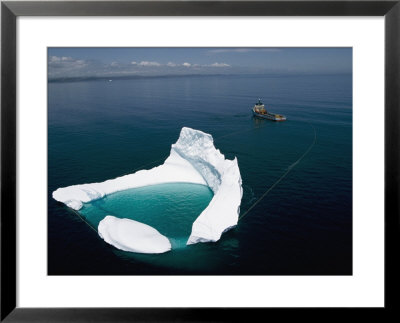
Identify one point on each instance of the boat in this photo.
(260, 112)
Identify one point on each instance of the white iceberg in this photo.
(221, 175)
(130, 235)
(193, 159)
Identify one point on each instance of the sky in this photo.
(74, 62)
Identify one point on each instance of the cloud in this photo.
(57, 59)
(66, 62)
(147, 63)
(220, 65)
(243, 50)
(64, 67)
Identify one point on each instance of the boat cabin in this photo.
(259, 107)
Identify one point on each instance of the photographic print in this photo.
(200, 161)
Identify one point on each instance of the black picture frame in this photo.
(10, 10)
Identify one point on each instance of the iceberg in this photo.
(193, 159)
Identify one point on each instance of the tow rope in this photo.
(289, 169)
(283, 175)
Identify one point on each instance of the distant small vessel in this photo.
(260, 111)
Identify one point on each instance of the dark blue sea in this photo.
(99, 130)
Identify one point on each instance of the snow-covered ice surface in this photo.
(193, 159)
(221, 175)
(130, 235)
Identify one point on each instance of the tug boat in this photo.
(260, 112)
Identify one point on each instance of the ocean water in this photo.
(98, 130)
(170, 208)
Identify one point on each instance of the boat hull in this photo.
(269, 116)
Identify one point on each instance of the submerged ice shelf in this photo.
(193, 159)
